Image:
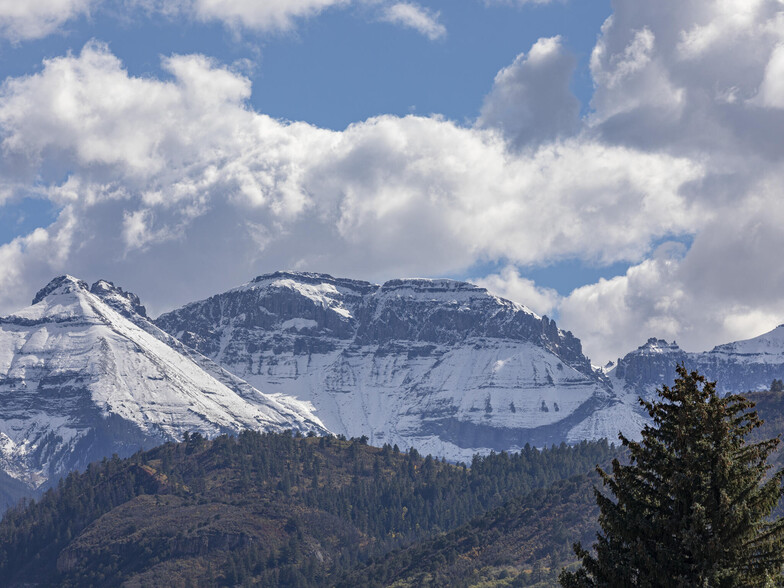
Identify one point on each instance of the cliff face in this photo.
(441, 365)
(649, 366)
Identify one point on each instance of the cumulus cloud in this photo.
(680, 76)
(521, 2)
(699, 80)
(415, 17)
(771, 91)
(613, 315)
(531, 101)
(247, 14)
(283, 15)
(723, 289)
(511, 285)
(172, 177)
(166, 176)
(21, 20)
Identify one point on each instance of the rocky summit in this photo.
(84, 374)
(441, 365)
(737, 367)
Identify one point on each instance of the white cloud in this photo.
(32, 19)
(771, 92)
(256, 15)
(175, 177)
(252, 15)
(723, 22)
(90, 113)
(282, 15)
(726, 287)
(614, 316)
(531, 101)
(679, 76)
(634, 57)
(699, 80)
(511, 285)
(138, 233)
(415, 17)
(163, 176)
(22, 20)
(520, 2)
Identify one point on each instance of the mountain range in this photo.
(741, 366)
(440, 365)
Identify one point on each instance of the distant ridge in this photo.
(737, 367)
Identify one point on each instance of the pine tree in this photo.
(692, 506)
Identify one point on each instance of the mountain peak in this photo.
(62, 284)
(126, 303)
(654, 345)
(767, 344)
(777, 332)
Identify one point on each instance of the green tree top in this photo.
(692, 506)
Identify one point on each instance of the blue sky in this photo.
(613, 164)
(344, 65)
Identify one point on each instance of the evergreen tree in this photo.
(691, 508)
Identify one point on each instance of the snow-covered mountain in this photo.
(736, 367)
(84, 374)
(441, 365)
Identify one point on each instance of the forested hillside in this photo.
(770, 407)
(524, 542)
(11, 491)
(272, 509)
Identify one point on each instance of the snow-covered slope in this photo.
(84, 374)
(736, 367)
(441, 365)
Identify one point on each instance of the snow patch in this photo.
(298, 324)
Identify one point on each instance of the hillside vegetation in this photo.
(277, 509)
(525, 542)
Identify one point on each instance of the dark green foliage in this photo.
(770, 407)
(692, 507)
(261, 509)
(11, 491)
(777, 385)
(522, 543)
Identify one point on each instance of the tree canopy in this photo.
(692, 506)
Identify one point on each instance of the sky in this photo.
(615, 164)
